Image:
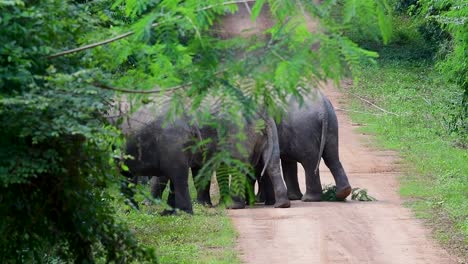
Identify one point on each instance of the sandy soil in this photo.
(350, 232)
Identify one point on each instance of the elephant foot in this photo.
(236, 206)
(133, 204)
(294, 196)
(205, 203)
(283, 203)
(312, 197)
(167, 212)
(342, 193)
(260, 199)
(269, 202)
(236, 203)
(147, 202)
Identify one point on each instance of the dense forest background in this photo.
(58, 151)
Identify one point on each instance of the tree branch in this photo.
(374, 105)
(225, 3)
(90, 46)
(346, 110)
(124, 35)
(155, 90)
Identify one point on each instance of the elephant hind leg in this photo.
(313, 184)
(265, 192)
(290, 178)
(332, 160)
(265, 188)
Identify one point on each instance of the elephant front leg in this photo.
(158, 185)
(170, 201)
(179, 197)
(279, 188)
(290, 178)
(203, 188)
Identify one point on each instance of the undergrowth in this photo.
(419, 110)
(207, 236)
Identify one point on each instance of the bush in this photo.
(55, 152)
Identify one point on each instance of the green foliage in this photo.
(444, 25)
(431, 31)
(436, 181)
(55, 152)
(205, 237)
(329, 194)
(176, 44)
(361, 195)
(370, 20)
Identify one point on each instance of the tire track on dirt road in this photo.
(351, 232)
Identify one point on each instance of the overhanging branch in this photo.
(155, 90)
(124, 35)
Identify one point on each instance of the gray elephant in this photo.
(307, 133)
(161, 148)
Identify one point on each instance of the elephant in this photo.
(160, 147)
(307, 133)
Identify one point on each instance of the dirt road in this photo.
(351, 232)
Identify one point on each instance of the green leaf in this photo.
(257, 8)
(384, 19)
(123, 167)
(349, 10)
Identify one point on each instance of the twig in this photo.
(345, 110)
(124, 35)
(156, 90)
(247, 7)
(225, 3)
(425, 100)
(374, 105)
(90, 46)
(278, 55)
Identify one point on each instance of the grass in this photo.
(422, 107)
(207, 236)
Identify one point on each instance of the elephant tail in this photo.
(270, 146)
(324, 118)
